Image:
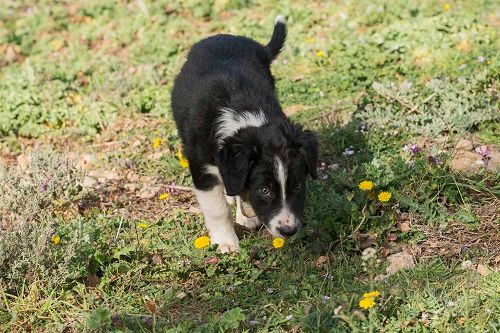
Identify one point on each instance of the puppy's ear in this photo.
(308, 149)
(234, 161)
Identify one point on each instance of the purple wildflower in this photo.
(171, 188)
(485, 152)
(45, 184)
(412, 148)
(435, 160)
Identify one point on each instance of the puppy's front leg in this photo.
(218, 218)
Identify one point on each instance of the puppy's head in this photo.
(267, 166)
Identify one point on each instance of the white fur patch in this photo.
(231, 122)
(280, 19)
(281, 175)
(218, 218)
(212, 170)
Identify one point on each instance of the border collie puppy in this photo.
(237, 139)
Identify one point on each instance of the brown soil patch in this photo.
(460, 241)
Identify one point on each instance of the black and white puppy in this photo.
(238, 140)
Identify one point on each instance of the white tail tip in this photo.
(280, 19)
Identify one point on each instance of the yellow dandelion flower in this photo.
(88, 20)
(156, 142)
(371, 294)
(366, 185)
(163, 196)
(142, 225)
(202, 242)
(309, 40)
(366, 303)
(182, 160)
(278, 242)
(384, 196)
(446, 6)
(320, 54)
(56, 239)
(184, 163)
(57, 44)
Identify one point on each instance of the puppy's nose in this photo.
(288, 221)
(287, 231)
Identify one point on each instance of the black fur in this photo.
(226, 71)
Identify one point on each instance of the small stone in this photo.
(148, 192)
(464, 144)
(398, 262)
(132, 187)
(90, 182)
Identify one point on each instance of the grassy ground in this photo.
(89, 82)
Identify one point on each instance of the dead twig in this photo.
(104, 144)
(416, 107)
(403, 103)
(180, 188)
(325, 114)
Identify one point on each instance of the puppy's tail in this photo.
(278, 38)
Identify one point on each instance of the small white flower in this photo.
(337, 310)
(368, 253)
(481, 59)
(467, 264)
(289, 317)
(269, 290)
(348, 152)
(326, 298)
(450, 304)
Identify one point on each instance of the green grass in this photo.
(368, 77)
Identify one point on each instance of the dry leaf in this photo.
(384, 251)
(482, 269)
(321, 261)
(151, 307)
(391, 237)
(156, 259)
(212, 261)
(404, 226)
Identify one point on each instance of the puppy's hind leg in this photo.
(241, 219)
(218, 218)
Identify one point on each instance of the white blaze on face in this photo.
(281, 175)
(284, 217)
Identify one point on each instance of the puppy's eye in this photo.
(297, 187)
(265, 191)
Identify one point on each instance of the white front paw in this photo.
(226, 243)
